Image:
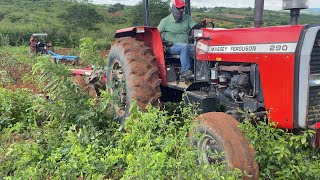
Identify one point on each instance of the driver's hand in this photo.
(207, 20)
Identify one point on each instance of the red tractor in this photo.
(273, 71)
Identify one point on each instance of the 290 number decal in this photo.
(278, 47)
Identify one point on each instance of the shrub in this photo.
(282, 154)
(79, 138)
(156, 145)
(16, 107)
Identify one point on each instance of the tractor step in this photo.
(178, 86)
(204, 101)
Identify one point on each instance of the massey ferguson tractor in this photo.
(269, 71)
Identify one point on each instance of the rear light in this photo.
(140, 30)
(198, 33)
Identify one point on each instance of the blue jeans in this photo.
(185, 51)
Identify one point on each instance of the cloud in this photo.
(269, 4)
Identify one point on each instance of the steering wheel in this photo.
(200, 25)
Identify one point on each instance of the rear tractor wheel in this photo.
(219, 140)
(132, 75)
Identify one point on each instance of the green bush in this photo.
(78, 137)
(156, 146)
(282, 154)
(16, 107)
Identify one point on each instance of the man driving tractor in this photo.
(175, 28)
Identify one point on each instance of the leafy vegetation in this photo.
(67, 134)
(68, 21)
(282, 154)
(80, 16)
(70, 135)
(157, 10)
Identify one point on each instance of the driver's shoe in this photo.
(189, 75)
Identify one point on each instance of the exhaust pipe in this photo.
(146, 19)
(188, 9)
(258, 13)
(294, 6)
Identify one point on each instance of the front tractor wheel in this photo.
(219, 140)
(132, 75)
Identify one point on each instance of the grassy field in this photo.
(51, 129)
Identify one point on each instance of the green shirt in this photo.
(176, 32)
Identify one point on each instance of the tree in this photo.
(115, 8)
(157, 9)
(81, 15)
(118, 6)
(112, 10)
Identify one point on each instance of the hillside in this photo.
(67, 22)
(20, 18)
(234, 17)
(314, 11)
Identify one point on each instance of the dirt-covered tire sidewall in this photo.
(142, 83)
(117, 55)
(224, 129)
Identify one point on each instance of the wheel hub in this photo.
(211, 151)
(118, 89)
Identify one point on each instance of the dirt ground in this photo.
(20, 71)
(17, 73)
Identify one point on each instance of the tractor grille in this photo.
(314, 92)
(314, 105)
(315, 58)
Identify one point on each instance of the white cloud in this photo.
(269, 4)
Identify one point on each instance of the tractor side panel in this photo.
(273, 49)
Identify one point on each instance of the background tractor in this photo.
(269, 71)
(38, 43)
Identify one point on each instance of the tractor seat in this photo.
(172, 56)
(168, 54)
(167, 45)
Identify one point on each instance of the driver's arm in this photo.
(161, 26)
(191, 23)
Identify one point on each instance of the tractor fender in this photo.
(152, 37)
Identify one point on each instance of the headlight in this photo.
(198, 33)
(314, 80)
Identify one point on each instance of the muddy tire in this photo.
(219, 133)
(132, 75)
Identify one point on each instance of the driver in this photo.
(176, 27)
(32, 41)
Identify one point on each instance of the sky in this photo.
(268, 4)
